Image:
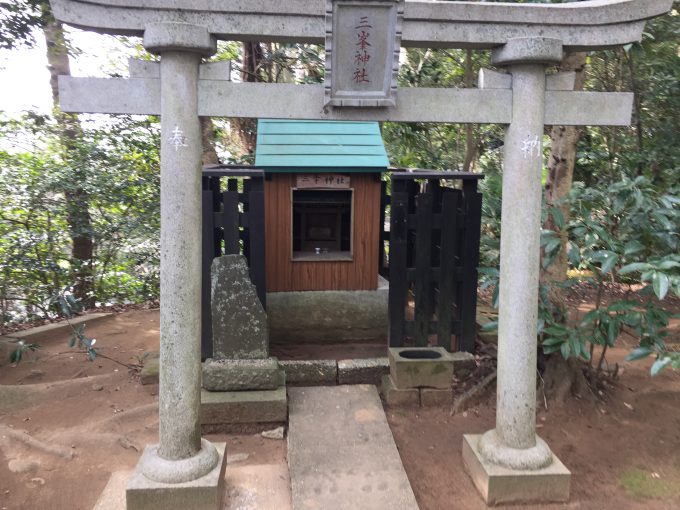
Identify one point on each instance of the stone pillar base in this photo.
(499, 485)
(204, 493)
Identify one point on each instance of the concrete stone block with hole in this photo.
(398, 398)
(362, 371)
(500, 485)
(242, 374)
(416, 367)
(205, 493)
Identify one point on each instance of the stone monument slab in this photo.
(239, 322)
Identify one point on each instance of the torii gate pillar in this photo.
(183, 470)
(511, 463)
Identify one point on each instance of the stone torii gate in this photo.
(184, 471)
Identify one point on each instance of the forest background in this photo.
(79, 195)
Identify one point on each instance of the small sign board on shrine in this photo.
(362, 52)
(338, 181)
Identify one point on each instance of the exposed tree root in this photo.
(563, 378)
(125, 417)
(36, 444)
(465, 400)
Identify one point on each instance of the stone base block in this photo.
(310, 372)
(430, 397)
(328, 316)
(227, 407)
(500, 485)
(204, 493)
(242, 374)
(415, 367)
(362, 371)
(399, 398)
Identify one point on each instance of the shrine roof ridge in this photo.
(426, 23)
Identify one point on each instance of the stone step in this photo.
(341, 453)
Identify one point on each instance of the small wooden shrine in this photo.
(322, 203)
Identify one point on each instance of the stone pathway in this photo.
(341, 453)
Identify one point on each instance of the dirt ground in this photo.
(66, 424)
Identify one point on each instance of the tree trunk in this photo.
(77, 199)
(561, 170)
(209, 154)
(471, 141)
(251, 71)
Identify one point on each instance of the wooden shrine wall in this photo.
(284, 274)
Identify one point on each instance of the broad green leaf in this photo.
(553, 341)
(639, 353)
(659, 365)
(556, 330)
(558, 217)
(612, 332)
(660, 284)
(635, 266)
(633, 247)
(564, 349)
(574, 255)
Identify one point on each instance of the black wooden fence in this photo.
(433, 257)
(233, 223)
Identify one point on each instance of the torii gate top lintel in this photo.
(590, 24)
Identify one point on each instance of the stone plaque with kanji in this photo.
(362, 52)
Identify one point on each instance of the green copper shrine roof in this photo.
(319, 145)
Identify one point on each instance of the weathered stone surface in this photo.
(239, 322)
(525, 50)
(431, 397)
(416, 372)
(149, 372)
(226, 407)
(362, 371)
(463, 363)
(204, 493)
(398, 398)
(426, 24)
(142, 96)
(341, 452)
(242, 374)
(310, 372)
(258, 487)
(328, 316)
(113, 495)
(180, 258)
(499, 485)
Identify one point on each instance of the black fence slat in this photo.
(423, 263)
(207, 251)
(382, 255)
(398, 253)
(447, 267)
(230, 221)
(470, 260)
(256, 260)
